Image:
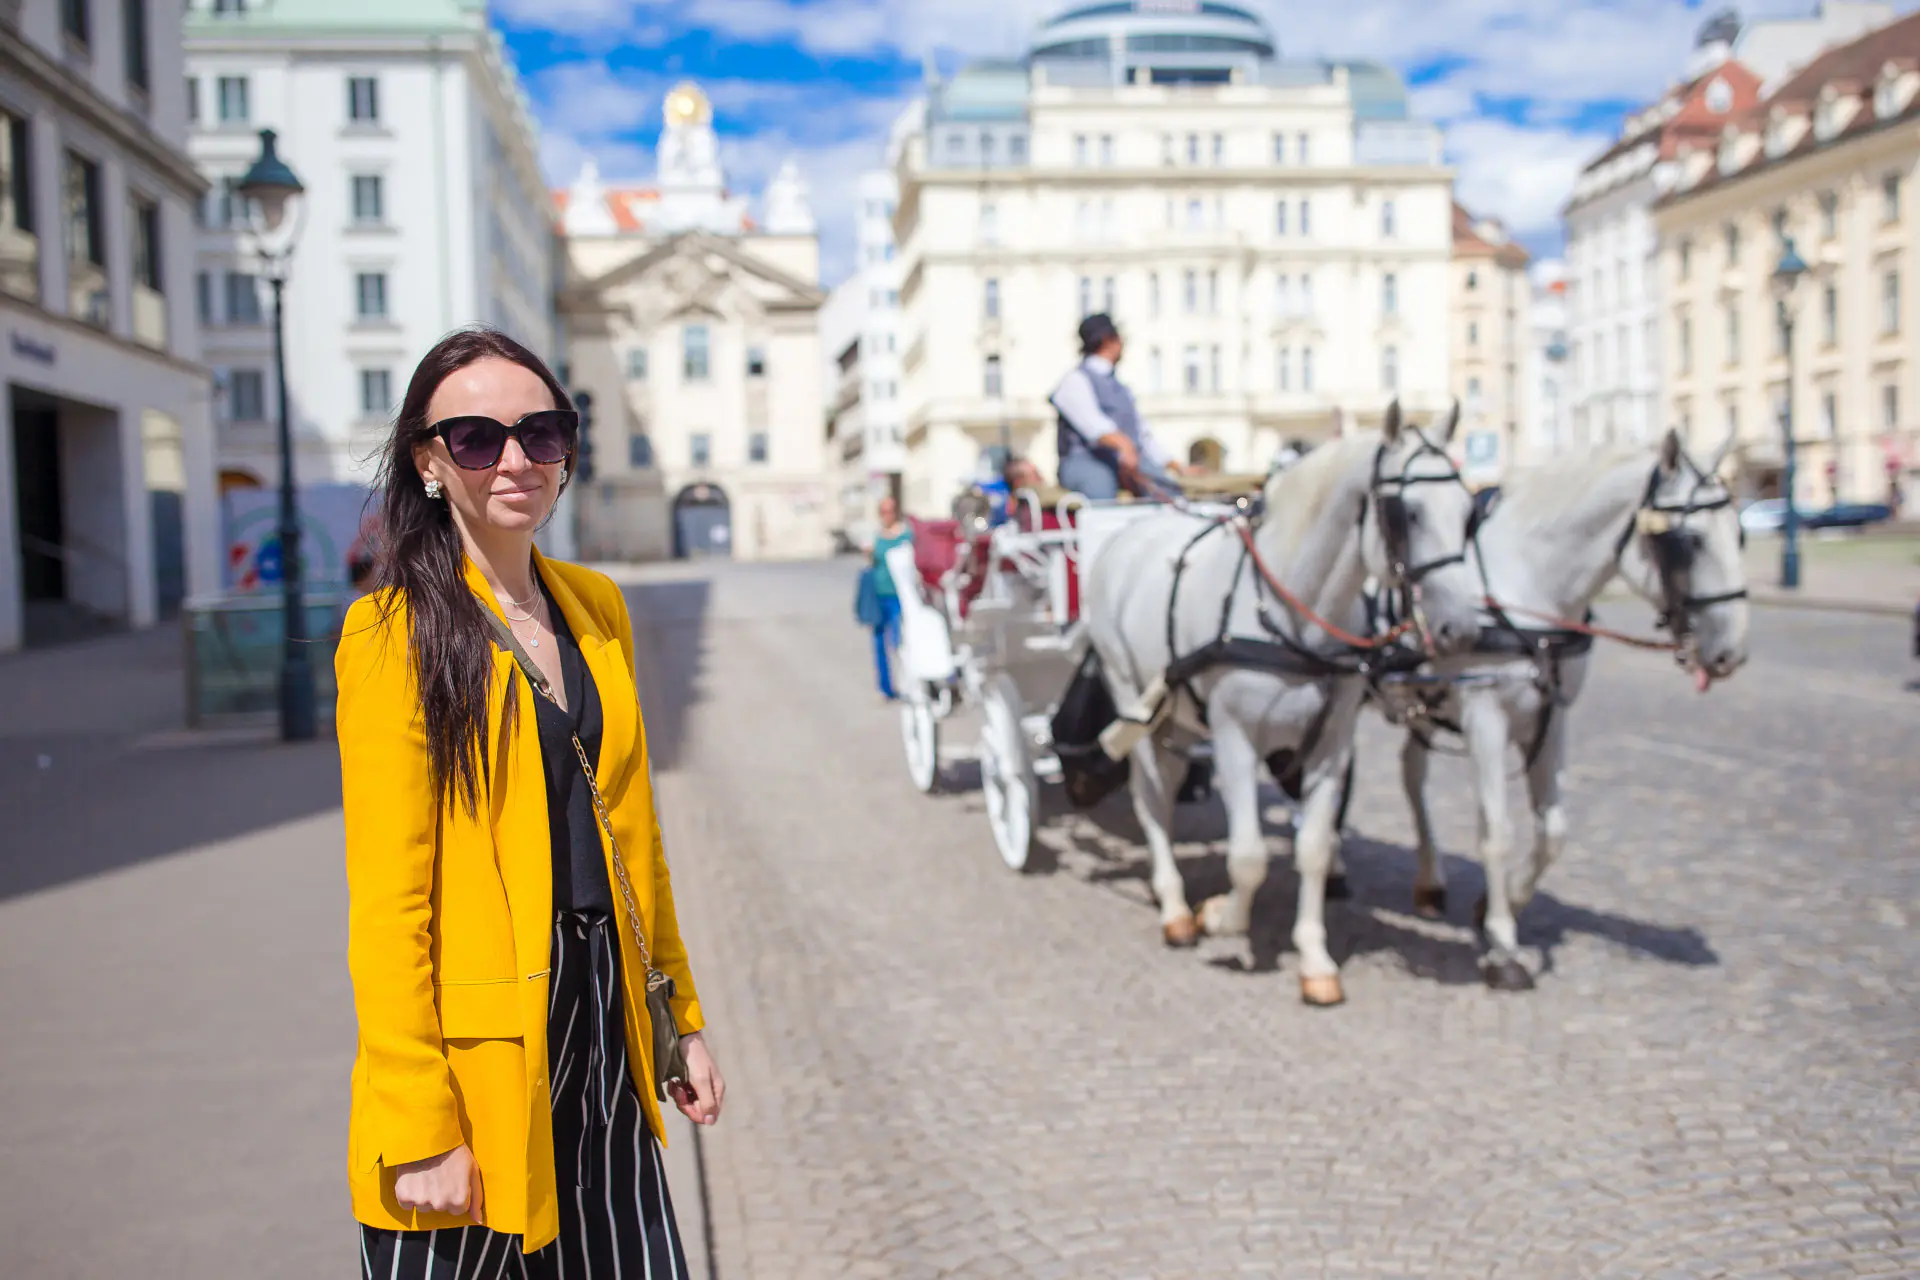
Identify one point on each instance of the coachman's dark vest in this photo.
(1115, 401)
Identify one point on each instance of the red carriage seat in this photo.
(1050, 523)
(936, 550)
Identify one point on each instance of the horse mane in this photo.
(1545, 492)
(1297, 496)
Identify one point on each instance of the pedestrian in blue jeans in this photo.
(893, 532)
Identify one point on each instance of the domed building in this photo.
(1271, 234)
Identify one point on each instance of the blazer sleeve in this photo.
(392, 828)
(669, 950)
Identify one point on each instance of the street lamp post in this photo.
(268, 190)
(1786, 275)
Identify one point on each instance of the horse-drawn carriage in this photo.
(990, 617)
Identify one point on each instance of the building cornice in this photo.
(67, 324)
(1900, 136)
(1363, 175)
(1177, 253)
(19, 57)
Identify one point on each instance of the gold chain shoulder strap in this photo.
(538, 678)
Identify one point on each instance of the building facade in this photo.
(424, 211)
(695, 328)
(860, 338)
(1491, 331)
(1544, 426)
(1272, 237)
(1616, 310)
(107, 503)
(1832, 160)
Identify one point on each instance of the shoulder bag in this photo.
(669, 1057)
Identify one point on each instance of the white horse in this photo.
(1170, 585)
(1557, 537)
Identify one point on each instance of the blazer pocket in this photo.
(487, 1010)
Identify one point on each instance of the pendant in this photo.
(533, 642)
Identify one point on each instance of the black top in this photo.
(579, 865)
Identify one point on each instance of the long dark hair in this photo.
(422, 565)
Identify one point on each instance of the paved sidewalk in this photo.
(1870, 574)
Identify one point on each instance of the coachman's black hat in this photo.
(1094, 332)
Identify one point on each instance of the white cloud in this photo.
(1519, 175)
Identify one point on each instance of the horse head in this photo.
(1414, 530)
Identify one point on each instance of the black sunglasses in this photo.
(475, 441)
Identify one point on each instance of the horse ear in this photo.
(1453, 424)
(1671, 450)
(1391, 427)
(1725, 451)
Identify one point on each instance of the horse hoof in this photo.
(1507, 975)
(1181, 932)
(1215, 918)
(1431, 904)
(1322, 991)
(1338, 890)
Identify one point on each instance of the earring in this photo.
(563, 475)
(433, 488)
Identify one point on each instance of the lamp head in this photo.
(270, 183)
(1787, 273)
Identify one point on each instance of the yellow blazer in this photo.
(450, 917)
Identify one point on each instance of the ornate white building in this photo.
(1273, 238)
(694, 329)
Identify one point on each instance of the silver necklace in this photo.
(533, 641)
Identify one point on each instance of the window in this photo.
(1829, 215)
(992, 382)
(1086, 296)
(1306, 218)
(1306, 298)
(1889, 408)
(1830, 315)
(1191, 297)
(1389, 294)
(363, 99)
(1282, 295)
(986, 147)
(640, 451)
(1386, 220)
(1829, 416)
(1080, 150)
(1192, 381)
(243, 299)
(203, 298)
(1731, 233)
(193, 99)
(1685, 327)
(636, 364)
(1154, 381)
(693, 353)
(1219, 213)
(86, 243)
(1890, 198)
(376, 393)
(1106, 150)
(135, 27)
(232, 94)
(1733, 332)
(700, 449)
(989, 223)
(757, 447)
(1306, 369)
(1213, 368)
(76, 19)
(1279, 148)
(1733, 420)
(1473, 333)
(1213, 293)
(1283, 368)
(1219, 150)
(1106, 295)
(246, 395)
(1166, 149)
(1280, 217)
(1017, 148)
(146, 244)
(1083, 219)
(1300, 149)
(1473, 282)
(1686, 259)
(1193, 148)
(756, 362)
(369, 203)
(1390, 368)
(1153, 293)
(229, 6)
(992, 300)
(1473, 393)
(370, 294)
(1890, 303)
(1195, 218)
(1780, 223)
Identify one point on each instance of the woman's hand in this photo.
(701, 1094)
(448, 1183)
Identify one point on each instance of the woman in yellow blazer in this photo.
(504, 1116)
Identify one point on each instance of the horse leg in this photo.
(1549, 815)
(1485, 722)
(1429, 878)
(1338, 889)
(1314, 845)
(1153, 782)
(1237, 777)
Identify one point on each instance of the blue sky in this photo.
(1527, 90)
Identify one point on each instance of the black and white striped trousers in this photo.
(615, 1216)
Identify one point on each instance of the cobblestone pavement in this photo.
(939, 1068)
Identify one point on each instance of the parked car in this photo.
(1764, 516)
(1848, 515)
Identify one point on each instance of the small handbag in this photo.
(866, 598)
(669, 1055)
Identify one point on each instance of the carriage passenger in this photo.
(1104, 445)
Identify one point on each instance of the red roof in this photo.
(1691, 116)
(631, 207)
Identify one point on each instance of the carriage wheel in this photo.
(920, 733)
(1006, 773)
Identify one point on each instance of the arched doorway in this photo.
(702, 523)
(1207, 455)
(232, 478)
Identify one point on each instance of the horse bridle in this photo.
(1663, 525)
(1395, 526)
